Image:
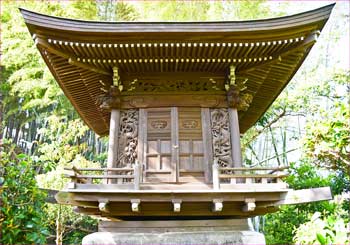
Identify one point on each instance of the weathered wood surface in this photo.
(174, 225)
(113, 142)
(207, 144)
(239, 177)
(80, 54)
(255, 168)
(50, 198)
(109, 176)
(79, 170)
(239, 203)
(235, 137)
(226, 176)
(305, 196)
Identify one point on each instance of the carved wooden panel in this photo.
(158, 124)
(173, 85)
(128, 133)
(190, 123)
(221, 137)
(214, 100)
(176, 82)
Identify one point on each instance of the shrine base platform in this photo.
(221, 231)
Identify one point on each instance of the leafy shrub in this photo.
(22, 216)
(329, 229)
(280, 226)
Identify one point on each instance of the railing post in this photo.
(137, 174)
(216, 177)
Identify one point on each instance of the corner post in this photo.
(113, 142)
(113, 139)
(235, 137)
(237, 100)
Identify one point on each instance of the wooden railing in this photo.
(247, 176)
(222, 176)
(109, 175)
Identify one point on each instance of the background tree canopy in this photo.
(307, 127)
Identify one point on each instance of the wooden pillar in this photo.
(113, 139)
(142, 142)
(207, 144)
(235, 137)
(175, 144)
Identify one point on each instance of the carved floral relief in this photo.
(173, 85)
(221, 137)
(159, 124)
(128, 132)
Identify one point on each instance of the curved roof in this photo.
(266, 53)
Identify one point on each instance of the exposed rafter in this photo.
(265, 54)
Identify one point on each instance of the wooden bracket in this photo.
(135, 205)
(103, 205)
(249, 205)
(232, 77)
(217, 205)
(116, 79)
(177, 205)
(71, 185)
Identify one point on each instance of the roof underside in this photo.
(81, 55)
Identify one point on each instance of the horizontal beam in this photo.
(50, 195)
(188, 44)
(100, 169)
(254, 168)
(175, 60)
(100, 176)
(306, 195)
(227, 176)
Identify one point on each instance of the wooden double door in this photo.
(173, 149)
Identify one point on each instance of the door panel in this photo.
(158, 153)
(174, 150)
(191, 149)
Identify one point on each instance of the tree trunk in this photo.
(59, 227)
(18, 128)
(275, 147)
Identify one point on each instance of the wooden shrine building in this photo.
(174, 98)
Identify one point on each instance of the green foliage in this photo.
(126, 12)
(30, 95)
(23, 203)
(305, 175)
(329, 229)
(62, 149)
(327, 141)
(61, 144)
(204, 10)
(279, 226)
(74, 226)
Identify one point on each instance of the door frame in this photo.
(175, 163)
